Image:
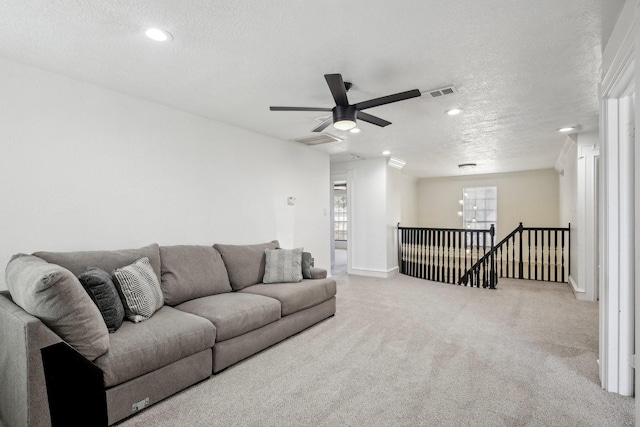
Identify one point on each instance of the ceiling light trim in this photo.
(158, 34)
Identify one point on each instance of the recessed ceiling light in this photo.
(386, 152)
(158, 34)
(355, 130)
(566, 129)
(454, 111)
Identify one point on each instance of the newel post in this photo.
(520, 262)
(400, 250)
(569, 251)
(492, 270)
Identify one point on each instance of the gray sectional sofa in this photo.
(216, 312)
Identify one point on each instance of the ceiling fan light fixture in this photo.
(344, 117)
(344, 124)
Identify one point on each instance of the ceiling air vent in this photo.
(437, 93)
(323, 138)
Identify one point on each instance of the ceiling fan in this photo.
(344, 115)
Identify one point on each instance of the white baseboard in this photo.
(578, 292)
(374, 273)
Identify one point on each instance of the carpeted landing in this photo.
(408, 352)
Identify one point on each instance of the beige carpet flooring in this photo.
(408, 352)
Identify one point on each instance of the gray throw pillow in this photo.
(55, 296)
(283, 265)
(140, 288)
(307, 263)
(103, 293)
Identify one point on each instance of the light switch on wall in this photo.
(291, 201)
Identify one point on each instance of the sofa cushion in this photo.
(282, 265)
(190, 271)
(139, 348)
(245, 263)
(77, 262)
(234, 313)
(296, 296)
(140, 288)
(55, 296)
(104, 294)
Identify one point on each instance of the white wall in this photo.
(368, 206)
(568, 199)
(619, 213)
(530, 197)
(409, 190)
(85, 168)
(395, 189)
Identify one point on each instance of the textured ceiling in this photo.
(522, 69)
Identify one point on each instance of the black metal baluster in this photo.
(403, 251)
(484, 262)
(529, 252)
(418, 251)
(507, 243)
(549, 256)
(535, 252)
(434, 254)
(428, 275)
(555, 246)
(456, 262)
(562, 254)
(409, 253)
(542, 254)
(513, 256)
(520, 260)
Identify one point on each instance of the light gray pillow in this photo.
(140, 289)
(104, 294)
(55, 296)
(307, 263)
(283, 265)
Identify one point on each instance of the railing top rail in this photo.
(466, 230)
(546, 228)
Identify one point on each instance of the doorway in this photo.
(340, 227)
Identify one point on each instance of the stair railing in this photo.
(470, 258)
(447, 254)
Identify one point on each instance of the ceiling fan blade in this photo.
(372, 119)
(299, 109)
(388, 99)
(323, 125)
(337, 88)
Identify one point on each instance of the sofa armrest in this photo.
(318, 273)
(23, 391)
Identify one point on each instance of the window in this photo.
(340, 211)
(479, 208)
